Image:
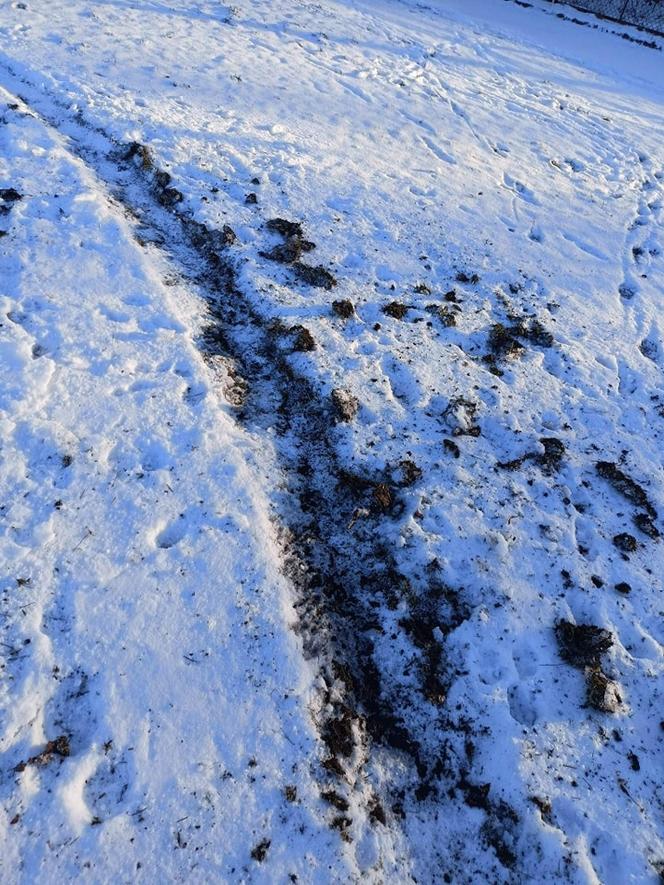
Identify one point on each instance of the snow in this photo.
(498, 173)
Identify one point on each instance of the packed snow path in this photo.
(430, 442)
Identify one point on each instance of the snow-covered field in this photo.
(332, 421)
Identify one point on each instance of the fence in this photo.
(647, 14)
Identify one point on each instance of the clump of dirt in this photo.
(344, 309)
(10, 195)
(335, 799)
(290, 792)
(377, 812)
(625, 485)
(623, 587)
(545, 808)
(395, 309)
(338, 734)
(286, 228)
(498, 828)
(626, 292)
(625, 542)
(549, 460)
(503, 343)
(342, 823)
(303, 339)
(582, 645)
(451, 447)
(284, 253)
(462, 277)
(554, 450)
(291, 251)
(645, 524)
(259, 852)
(601, 692)
(381, 497)
(346, 406)
(447, 315)
(58, 747)
(251, 199)
(431, 617)
(144, 154)
(460, 416)
(316, 276)
(422, 289)
(532, 331)
(408, 473)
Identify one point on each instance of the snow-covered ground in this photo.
(333, 562)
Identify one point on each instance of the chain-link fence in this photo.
(647, 14)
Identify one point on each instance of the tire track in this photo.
(378, 639)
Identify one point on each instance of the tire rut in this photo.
(377, 636)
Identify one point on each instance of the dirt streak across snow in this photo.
(332, 413)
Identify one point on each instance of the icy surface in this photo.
(485, 183)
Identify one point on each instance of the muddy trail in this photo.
(378, 639)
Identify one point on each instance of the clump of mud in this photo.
(58, 747)
(344, 308)
(290, 252)
(346, 405)
(582, 645)
(395, 309)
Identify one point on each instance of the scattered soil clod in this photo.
(285, 228)
(251, 199)
(582, 645)
(346, 406)
(382, 497)
(316, 276)
(623, 587)
(284, 253)
(451, 447)
(549, 460)
(144, 154)
(645, 524)
(502, 342)
(259, 852)
(344, 308)
(304, 340)
(462, 277)
(395, 309)
(59, 746)
(601, 692)
(10, 195)
(625, 542)
(408, 473)
(447, 315)
(377, 812)
(460, 416)
(333, 798)
(625, 485)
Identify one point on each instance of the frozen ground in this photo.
(335, 561)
